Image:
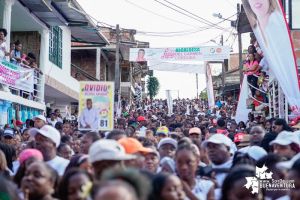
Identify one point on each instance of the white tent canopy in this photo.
(177, 67)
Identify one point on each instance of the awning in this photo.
(176, 67)
(58, 13)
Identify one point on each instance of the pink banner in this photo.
(269, 25)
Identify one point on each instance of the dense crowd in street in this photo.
(191, 153)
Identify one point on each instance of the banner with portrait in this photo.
(15, 76)
(212, 53)
(268, 22)
(209, 86)
(96, 105)
(242, 110)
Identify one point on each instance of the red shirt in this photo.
(261, 99)
(221, 131)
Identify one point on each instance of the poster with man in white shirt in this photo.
(89, 116)
(96, 105)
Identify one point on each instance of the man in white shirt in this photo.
(47, 139)
(89, 116)
(264, 65)
(52, 119)
(218, 150)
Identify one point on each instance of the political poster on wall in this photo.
(213, 53)
(16, 76)
(268, 22)
(209, 86)
(242, 110)
(96, 105)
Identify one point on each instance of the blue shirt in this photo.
(219, 104)
(16, 54)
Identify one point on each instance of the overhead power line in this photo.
(209, 23)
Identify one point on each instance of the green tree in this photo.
(152, 86)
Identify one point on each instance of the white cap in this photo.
(47, 131)
(286, 138)
(108, 150)
(288, 164)
(256, 152)
(42, 117)
(217, 139)
(167, 141)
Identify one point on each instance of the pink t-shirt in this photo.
(250, 65)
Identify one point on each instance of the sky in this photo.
(130, 16)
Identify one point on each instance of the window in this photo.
(295, 14)
(55, 46)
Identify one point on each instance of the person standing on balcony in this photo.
(3, 47)
(16, 53)
(251, 69)
(89, 116)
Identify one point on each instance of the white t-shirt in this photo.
(59, 164)
(244, 149)
(2, 50)
(52, 122)
(201, 188)
(264, 65)
(221, 177)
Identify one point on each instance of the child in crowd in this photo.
(262, 82)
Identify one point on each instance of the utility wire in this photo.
(193, 14)
(186, 14)
(160, 15)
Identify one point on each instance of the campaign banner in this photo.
(209, 86)
(268, 22)
(15, 76)
(242, 110)
(96, 105)
(212, 53)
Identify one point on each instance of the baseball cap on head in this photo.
(162, 130)
(19, 122)
(108, 150)
(133, 146)
(217, 139)
(47, 131)
(42, 117)
(286, 138)
(195, 130)
(167, 141)
(141, 118)
(8, 132)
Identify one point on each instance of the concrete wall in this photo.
(234, 61)
(31, 42)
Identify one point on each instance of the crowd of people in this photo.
(192, 153)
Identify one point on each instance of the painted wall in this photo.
(63, 75)
(8, 112)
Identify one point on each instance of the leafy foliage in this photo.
(152, 86)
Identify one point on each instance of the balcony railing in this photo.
(38, 87)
